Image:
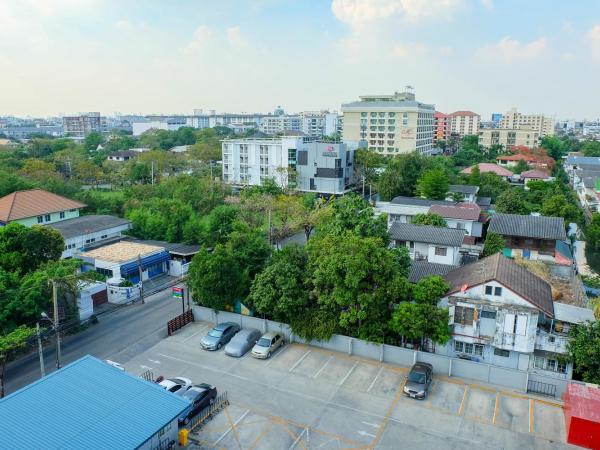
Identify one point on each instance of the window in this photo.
(458, 346)
(488, 314)
(441, 251)
(489, 290)
(62, 214)
(553, 365)
(47, 217)
(40, 219)
(500, 352)
(463, 315)
(478, 350)
(521, 325)
(460, 226)
(104, 236)
(498, 291)
(468, 348)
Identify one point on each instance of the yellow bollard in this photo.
(183, 437)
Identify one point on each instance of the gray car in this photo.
(419, 380)
(267, 344)
(242, 342)
(219, 336)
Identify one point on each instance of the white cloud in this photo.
(446, 50)
(235, 37)
(409, 49)
(511, 50)
(594, 37)
(124, 25)
(360, 12)
(487, 4)
(202, 36)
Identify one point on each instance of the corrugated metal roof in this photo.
(87, 404)
(409, 232)
(589, 160)
(418, 201)
(420, 269)
(463, 188)
(82, 225)
(572, 314)
(536, 227)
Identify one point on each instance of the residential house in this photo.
(428, 243)
(532, 237)
(180, 254)
(37, 207)
(403, 209)
(122, 156)
(468, 193)
(534, 175)
(504, 315)
(81, 233)
(490, 168)
(180, 149)
(462, 216)
(584, 175)
(420, 269)
(91, 404)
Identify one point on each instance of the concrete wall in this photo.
(442, 365)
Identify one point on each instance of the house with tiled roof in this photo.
(468, 192)
(428, 243)
(37, 207)
(489, 168)
(504, 315)
(463, 216)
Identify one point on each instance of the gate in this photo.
(148, 375)
(537, 387)
(179, 322)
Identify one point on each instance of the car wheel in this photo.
(211, 401)
(219, 345)
(268, 355)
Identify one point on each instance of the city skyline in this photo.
(487, 56)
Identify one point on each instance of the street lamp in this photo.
(57, 334)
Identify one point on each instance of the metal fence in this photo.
(213, 409)
(179, 322)
(148, 375)
(537, 387)
(444, 365)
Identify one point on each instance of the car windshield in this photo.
(264, 342)
(215, 333)
(193, 393)
(416, 377)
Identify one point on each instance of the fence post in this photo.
(450, 367)
(489, 370)
(414, 357)
(381, 353)
(265, 325)
(526, 381)
(350, 346)
(216, 313)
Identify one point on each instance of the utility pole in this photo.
(152, 169)
(56, 322)
(269, 225)
(141, 281)
(363, 192)
(40, 350)
(187, 292)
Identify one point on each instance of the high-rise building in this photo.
(514, 120)
(319, 123)
(441, 126)
(463, 123)
(391, 124)
(280, 124)
(84, 124)
(516, 129)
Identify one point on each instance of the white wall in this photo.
(75, 244)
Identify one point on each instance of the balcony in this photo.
(551, 342)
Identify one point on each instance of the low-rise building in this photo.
(428, 243)
(462, 216)
(467, 192)
(37, 207)
(421, 268)
(441, 126)
(508, 138)
(534, 175)
(83, 232)
(402, 209)
(122, 156)
(91, 404)
(489, 168)
(531, 237)
(504, 315)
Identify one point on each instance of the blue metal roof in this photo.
(87, 404)
(132, 267)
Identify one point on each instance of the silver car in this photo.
(176, 385)
(242, 342)
(267, 344)
(219, 336)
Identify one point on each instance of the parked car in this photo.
(242, 342)
(177, 385)
(199, 396)
(219, 336)
(419, 381)
(266, 345)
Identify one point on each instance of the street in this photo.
(119, 336)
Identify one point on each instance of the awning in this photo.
(132, 267)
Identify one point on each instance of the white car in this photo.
(177, 385)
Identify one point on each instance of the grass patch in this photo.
(593, 258)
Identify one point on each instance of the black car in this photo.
(419, 381)
(199, 396)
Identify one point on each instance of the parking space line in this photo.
(375, 379)
(388, 415)
(204, 328)
(276, 355)
(531, 415)
(297, 439)
(323, 367)
(496, 407)
(462, 402)
(343, 380)
(261, 435)
(233, 424)
(299, 361)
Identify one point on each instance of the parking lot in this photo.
(305, 397)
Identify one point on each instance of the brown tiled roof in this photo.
(488, 167)
(534, 174)
(506, 272)
(33, 202)
(462, 113)
(463, 211)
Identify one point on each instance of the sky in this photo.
(158, 56)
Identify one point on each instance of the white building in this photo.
(504, 315)
(319, 123)
(428, 243)
(463, 123)
(391, 124)
(514, 120)
(278, 124)
(250, 161)
(168, 124)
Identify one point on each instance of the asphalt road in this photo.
(119, 336)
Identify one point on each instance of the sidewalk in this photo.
(581, 260)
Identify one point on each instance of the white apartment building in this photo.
(280, 124)
(391, 124)
(84, 124)
(319, 123)
(250, 161)
(508, 138)
(170, 124)
(514, 120)
(464, 123)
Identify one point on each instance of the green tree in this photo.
(433, 184)
(474, 178)
(356, 279)
(592, 232)
(492, 186)
(494, 243)
(216, 279)
(429, 219)
(428, 290)
(512, 201)
(584, 350)
(158, 218)
(591, 148)
(92, 141)
(219, 224)
(560, 206)
(417, 321)
(401, 174)
(521, 166)
(555, 147)
(11, 343)
(353, 213)
(250, 249)
(366, 165)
